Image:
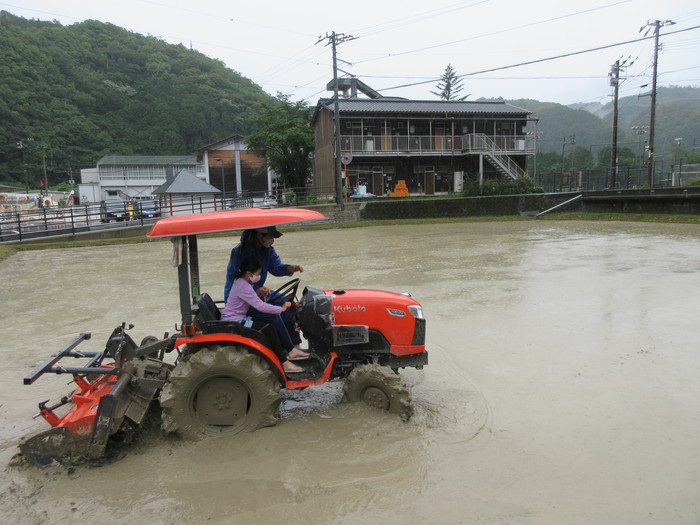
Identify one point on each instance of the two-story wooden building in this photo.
(236, 169)
(431, 145)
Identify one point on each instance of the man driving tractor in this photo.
(258, 244)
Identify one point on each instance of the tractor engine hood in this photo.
(397, 316)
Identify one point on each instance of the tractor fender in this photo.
(255, 347)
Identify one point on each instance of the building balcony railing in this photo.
(437, 144)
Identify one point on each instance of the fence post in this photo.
(19, 226)
(72, 223)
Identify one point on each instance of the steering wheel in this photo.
(285, 293)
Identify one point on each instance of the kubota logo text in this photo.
(346, 308)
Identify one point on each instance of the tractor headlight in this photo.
(416, 310)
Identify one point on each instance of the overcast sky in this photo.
(402, 48)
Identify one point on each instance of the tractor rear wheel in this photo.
(379, 387)
(219, 389)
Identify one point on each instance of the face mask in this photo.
(254, 278)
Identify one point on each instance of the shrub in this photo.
(523, 185)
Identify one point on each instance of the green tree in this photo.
(579, 159)
(450, 85)
(626, 158)
(546, 168)
(284, 136)
(680, 154)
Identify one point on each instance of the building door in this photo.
(439, 136)
(429, 183)
(386, 137)
(377, 179)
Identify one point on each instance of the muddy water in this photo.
(563, 384)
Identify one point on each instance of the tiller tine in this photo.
(55, 445)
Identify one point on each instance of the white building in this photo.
(122, 177)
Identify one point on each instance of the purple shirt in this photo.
(241, 297)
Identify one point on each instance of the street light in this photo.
(223, 180)
(20, 146)
(43, 163)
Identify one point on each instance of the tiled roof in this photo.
(147, 160)
(424, 106)
(185, 182)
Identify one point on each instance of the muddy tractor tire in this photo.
(219, 389)
(379, 387)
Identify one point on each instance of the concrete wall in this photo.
(665, 200)
(406, 208)
(463, 206)
(676, 201)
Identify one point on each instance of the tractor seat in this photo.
(207, 317)
(206, 308)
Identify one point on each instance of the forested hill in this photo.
(90, 89)
(677, 116)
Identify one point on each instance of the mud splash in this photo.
(562, 385)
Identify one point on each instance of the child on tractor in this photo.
(242, 296)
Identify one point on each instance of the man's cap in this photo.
(271, 231)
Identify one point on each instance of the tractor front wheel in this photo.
(379, 387)
(219, 389)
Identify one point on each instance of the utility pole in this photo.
(615, 83)
(566, 140)
(656, 24)
(334, 39)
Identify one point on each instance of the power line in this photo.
(540, 60)
(419, 17)
(515, 28)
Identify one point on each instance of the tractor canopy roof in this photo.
(221, 221)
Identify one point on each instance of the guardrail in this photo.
(20, 225)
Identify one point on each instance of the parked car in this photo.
(114, 210)
(237, 203)
(268, 201)
(146, 209)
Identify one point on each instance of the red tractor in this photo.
(225, 378)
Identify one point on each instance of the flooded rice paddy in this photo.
(562, 385)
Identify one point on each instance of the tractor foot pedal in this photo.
(313, 367)
(297, 359)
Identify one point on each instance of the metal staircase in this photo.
(496, 156)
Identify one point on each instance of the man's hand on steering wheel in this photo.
(285, 293)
